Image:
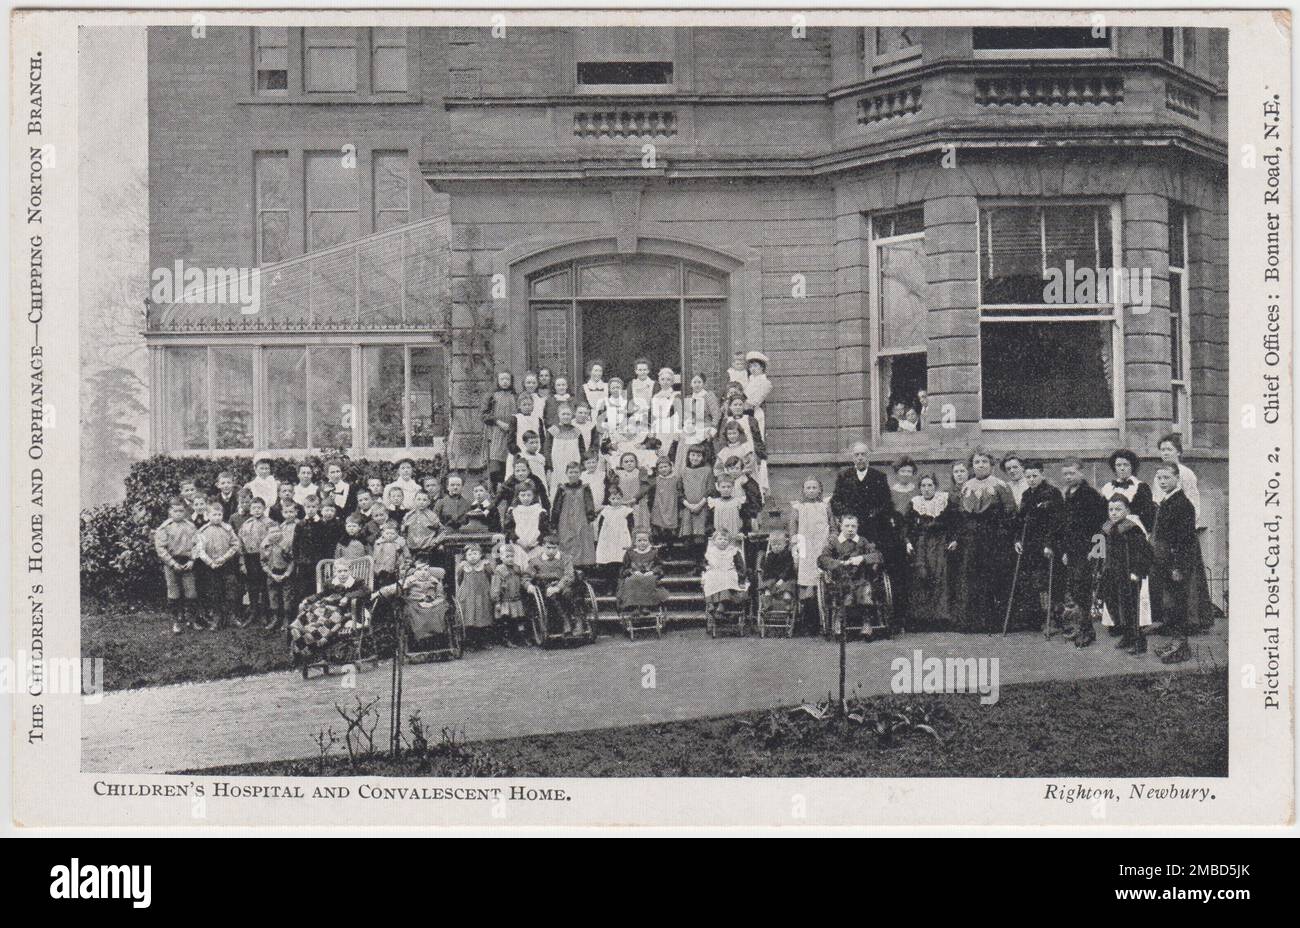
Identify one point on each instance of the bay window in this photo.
(1179, 323)
(1049, 314)
(298, 398)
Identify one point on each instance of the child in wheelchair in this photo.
(329, 617)
(854, 570)
(423, 605)
(779, 583)
(550, 572)
(639, 589)
(723, 580)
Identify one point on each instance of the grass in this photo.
(139, 649)
(1173, 724)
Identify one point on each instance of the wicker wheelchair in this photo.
(348, 638)
(776, 610)
(733, 614)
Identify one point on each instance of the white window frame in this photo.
(296, 66)
(874, 318)
(261, 392)
(1115, 317)
(1049, 53)
(279, 93)
(259, 211)
(351, 44)
(1181, 380)
(309, 210)
(595, 55)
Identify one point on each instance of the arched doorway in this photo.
(618, 308)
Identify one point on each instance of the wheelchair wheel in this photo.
(592, 610)
(537, 619)
(455, 631)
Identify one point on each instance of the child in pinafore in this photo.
(613, 529)
(639, 589)
(507, 594)
(633, 488)
(810, 524)
(724, 570)
(664, 503)
(474, 594)
(594, 477)
(526, 521)
(572, 516)
(694, 487)
(727, 507)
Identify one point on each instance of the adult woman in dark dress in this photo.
(987, 509)
(930, 517)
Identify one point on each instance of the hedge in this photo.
(117, 558)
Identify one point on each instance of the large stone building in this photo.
(880, 210)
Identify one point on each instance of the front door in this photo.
(618, 332)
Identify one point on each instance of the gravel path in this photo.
(502, 693)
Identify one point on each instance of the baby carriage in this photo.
(569, 617)
(856, 599)
(334, 628)
(428, 619)
(778, 602)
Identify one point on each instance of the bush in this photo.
(117, 557)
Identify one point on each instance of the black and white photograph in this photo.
(670, 397)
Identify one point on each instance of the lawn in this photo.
(1173, 724)
(139, 649)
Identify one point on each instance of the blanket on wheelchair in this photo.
(323, 620)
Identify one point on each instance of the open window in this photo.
(1050, 42)
(898, 316)
(625, 60)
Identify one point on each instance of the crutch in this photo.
(1047, 619)
(1015, 578)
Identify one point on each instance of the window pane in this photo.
(389, 70)
(331, 181)
(333, 286)
(902, 294)
(704, 342)
(1167, 38)
(704, 285)
(381, 282)
(551, 348)
(1045, 370)
(902, 377)
(625, 72)
(552, 285)
(424, 274)
(894, 39)
(1073, 235)
(629, 279)
(331, 60)
(272, 60)
(385, 384)
(325, 230)
(1011, 253)
(391, 181)
(1032, 38)
(286, 385)
(186, 399)
(331, 397)
(273, 238)
(428, 396)
(1177, 255)
(232, 396)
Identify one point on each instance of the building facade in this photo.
(1029, 225)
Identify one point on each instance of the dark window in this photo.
(1046, 370)
(1033, 38)
(625, 72)
(900, 222)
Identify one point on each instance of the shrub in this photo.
(117, 557)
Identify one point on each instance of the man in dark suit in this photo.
(863, 491)
(1082, 516)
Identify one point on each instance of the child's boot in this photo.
(178, 615)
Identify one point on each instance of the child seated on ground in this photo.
(639, 589)
(508, 593)
(474, 595)
(423, 602)
(724, 570)
(780, 584)
(550, 572)
(325, 617)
